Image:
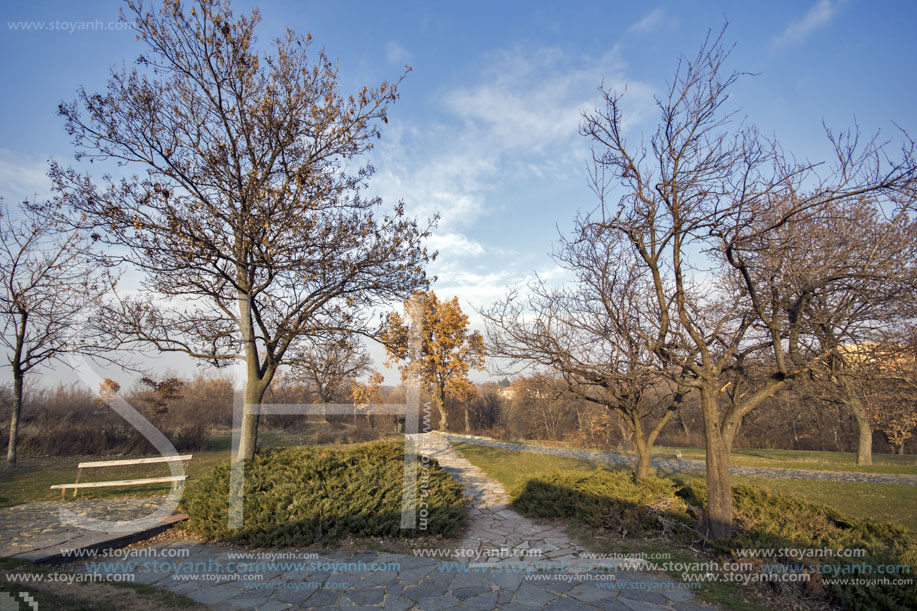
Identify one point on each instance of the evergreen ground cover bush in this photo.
(303, 495)
(671, 508)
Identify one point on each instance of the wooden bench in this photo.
(174, 479)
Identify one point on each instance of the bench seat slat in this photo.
(123, 482)
(133, 461)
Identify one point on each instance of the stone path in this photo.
(695, 466)
(504, 561)
(34, 531)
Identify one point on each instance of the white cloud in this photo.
(396, 54)
(455, 245)
(516, 124)
(519, 119)
(23, 177)
(650, 22)
(531, 101)
(822, 12)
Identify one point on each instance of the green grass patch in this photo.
(31, 481)
(670, 509)
(801, 459)
(886, 502)
(512, 468)
(780, 459)
(303, 495)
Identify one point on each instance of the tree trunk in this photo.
(644, 458)
(14, 418)
(719, 486)
(467, 421)
(441, 407)
(254, 394)
(864, 442)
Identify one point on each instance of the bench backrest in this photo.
(133, 461)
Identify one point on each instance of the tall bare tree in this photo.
(595, 333)
(247, 217)
(48, 286)
(329, 367)
(694, 202)
(853, 272)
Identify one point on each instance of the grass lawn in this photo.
(31, 480)
(551, 486)
(801, 459)
(889, 502)
(783, 459)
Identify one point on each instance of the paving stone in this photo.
(367, 596)
(397, 604)
(656, 598)
(610, 604)
(275, 605)
(436, 603)
(212, 595)
(324, 597)
(568, 604)
(424, 590)
(530, 595)
(247, 601)
(558, 586)
(677, 595)
(639, 605)
(470, 592)
(507, 580)
(293, 596)
(483, 601)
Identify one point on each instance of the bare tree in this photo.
(696, 201)
(247, 218)
(595, 334)
(328, 368)
(47, 288)
(850, 272)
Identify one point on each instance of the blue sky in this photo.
(485, 132)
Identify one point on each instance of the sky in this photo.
(486, 130)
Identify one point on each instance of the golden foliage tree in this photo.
(446, 353)
(367, 396)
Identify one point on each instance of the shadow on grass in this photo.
(671, 510)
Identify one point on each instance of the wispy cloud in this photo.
(22, 177)
(396, 54)
(821, 13)
(516, 123)
(650, 22)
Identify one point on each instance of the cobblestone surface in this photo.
(694, 466)
(33, 531)
(504, 561)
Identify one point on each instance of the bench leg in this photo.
(79, 472)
